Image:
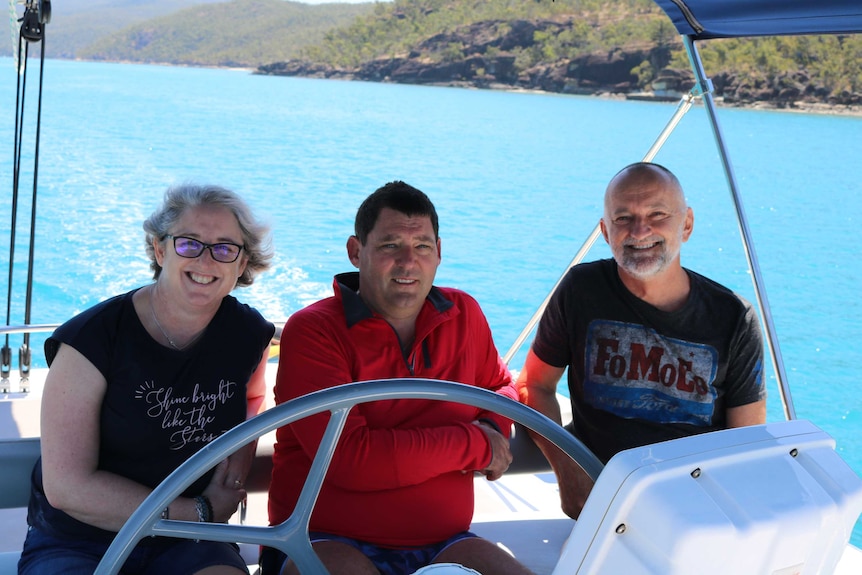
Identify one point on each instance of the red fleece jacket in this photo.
(402, 473)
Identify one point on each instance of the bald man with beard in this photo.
(654, 351)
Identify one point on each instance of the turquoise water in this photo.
(517, 179)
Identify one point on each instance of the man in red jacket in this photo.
(399, 491)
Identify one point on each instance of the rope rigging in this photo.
(37, 13)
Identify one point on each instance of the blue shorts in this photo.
(388, 561)
(44, 554)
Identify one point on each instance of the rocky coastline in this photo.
(486, 60)
(595, 77)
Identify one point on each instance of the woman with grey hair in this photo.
(140, 382)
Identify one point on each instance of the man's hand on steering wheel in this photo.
(501, 455)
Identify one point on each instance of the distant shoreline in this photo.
(806, 108)
(820, 108)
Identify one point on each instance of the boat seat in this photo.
(526, 456)
(18, 456)
(773, 498)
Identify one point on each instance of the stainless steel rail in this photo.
(744, 231)
(24, 360)
(28, 328)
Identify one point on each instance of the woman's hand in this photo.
(224, 494)
(239, 465)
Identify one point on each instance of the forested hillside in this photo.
(571, 46)
(238, 33)
(188, 32)
(576, 46)
(585, 25)
(76, 23)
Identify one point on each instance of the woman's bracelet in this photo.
(204, 508)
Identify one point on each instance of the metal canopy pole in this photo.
(704, 85)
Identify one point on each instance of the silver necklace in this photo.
(158, 325)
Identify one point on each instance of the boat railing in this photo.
(24, 356)
(28, 328)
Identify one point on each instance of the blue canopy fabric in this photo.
(704, 19)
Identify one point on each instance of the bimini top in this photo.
(703, 19)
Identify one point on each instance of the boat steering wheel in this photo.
(291, 536)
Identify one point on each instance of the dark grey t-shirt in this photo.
(639, 375)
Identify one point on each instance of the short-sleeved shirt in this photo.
(161, 405)
(639, 375)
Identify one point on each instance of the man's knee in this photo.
(339, 559)
(483, 556)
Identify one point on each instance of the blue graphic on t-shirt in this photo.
(634, 372)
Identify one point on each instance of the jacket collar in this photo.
(346, 286)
